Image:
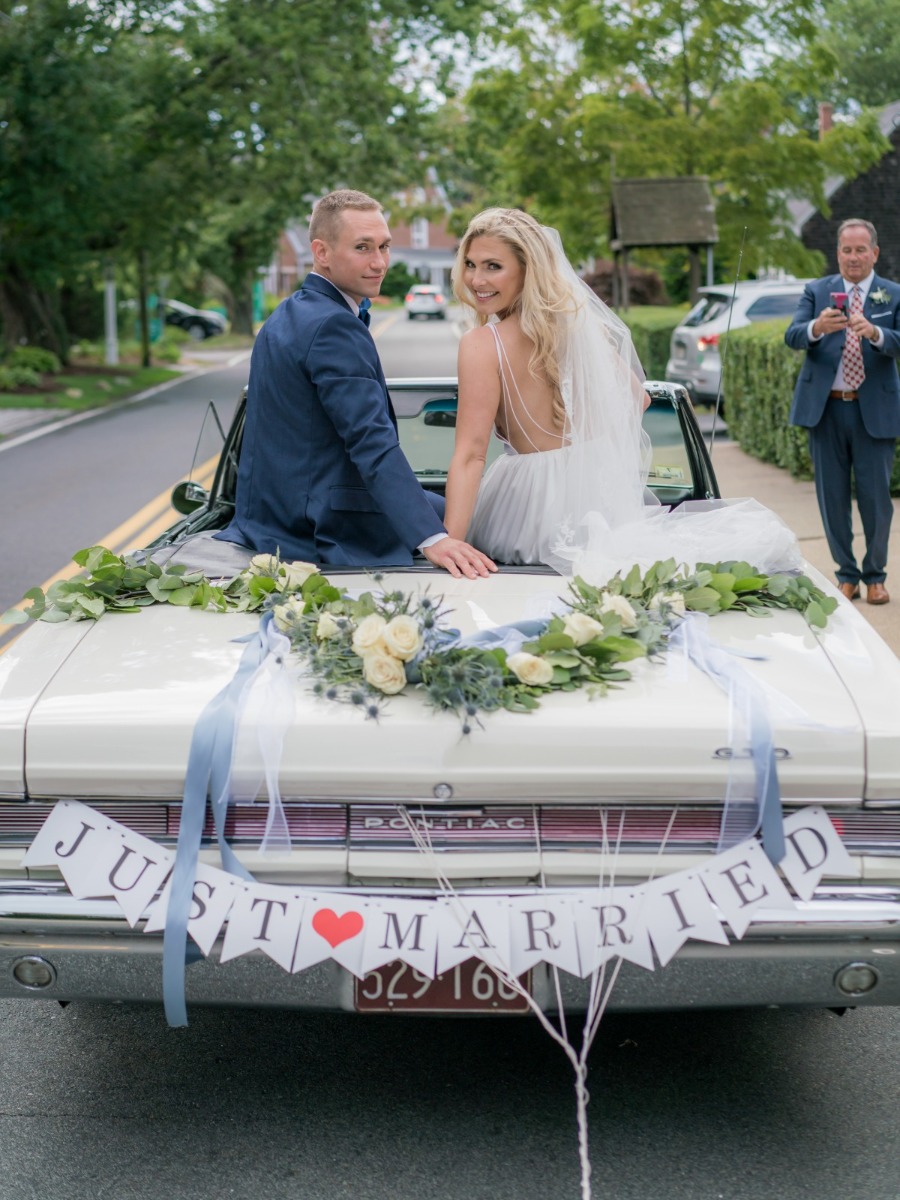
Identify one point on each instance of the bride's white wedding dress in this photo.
(583, 507)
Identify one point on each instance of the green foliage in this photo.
(398, 280)
(36, 358)
(13, 378)
(679, 87)
(651, 329)
(865, 40)
(760, 376)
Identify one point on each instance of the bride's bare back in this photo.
(525, 412)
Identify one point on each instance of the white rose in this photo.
(264, 564)
(620, 606)
(581, 628)
(368, 633)
(675, 601)
(402, 637)
(528, 668)
(384, 672)
(327, 627)
(295, 574)
(288, 614)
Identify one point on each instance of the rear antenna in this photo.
(722, 356)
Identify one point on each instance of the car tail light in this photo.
(705, 343)
(439, 299)
(408, 297)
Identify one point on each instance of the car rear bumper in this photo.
(791, 959)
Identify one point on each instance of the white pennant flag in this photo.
(400, 930)
(214, 894)
(542, 929)
(742, 881)
(333, 926)
(814, 850)
(267, 918)
(69, 824)
(610, 924)
(678, 907)
(472, 927)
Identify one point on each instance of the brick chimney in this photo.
(826, 112)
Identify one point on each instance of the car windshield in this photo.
(708, 308)
(427, 422)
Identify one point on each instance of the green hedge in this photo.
(651, 329)
(760, 374)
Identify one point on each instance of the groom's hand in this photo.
(459, 558)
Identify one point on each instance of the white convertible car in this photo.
(419, 868)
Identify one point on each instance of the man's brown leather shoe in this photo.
(851, 590)
(876, 593)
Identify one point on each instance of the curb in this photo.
(45, 427)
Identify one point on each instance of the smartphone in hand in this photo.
(840, 301)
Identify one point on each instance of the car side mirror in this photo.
(444, 420)
(188, 497)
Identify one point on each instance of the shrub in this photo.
(760, 374)
(168, 349)
(35, 358)
(398, 280)
(644, 286)
(14, 378)
(651, 329)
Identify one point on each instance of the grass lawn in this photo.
(87, 386)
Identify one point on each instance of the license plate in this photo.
(470, 987)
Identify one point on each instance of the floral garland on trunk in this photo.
(361, 649)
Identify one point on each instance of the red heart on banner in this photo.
(335, 929)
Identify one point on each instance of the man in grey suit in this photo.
(848, 397)
(321, 475)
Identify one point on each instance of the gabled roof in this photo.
(663, 212)
(802, 210)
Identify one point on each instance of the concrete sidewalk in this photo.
(795, 502)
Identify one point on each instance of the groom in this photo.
(848, 397)
(322, 476)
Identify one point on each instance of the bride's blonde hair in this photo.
(545, 296)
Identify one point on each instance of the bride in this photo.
(553, 372)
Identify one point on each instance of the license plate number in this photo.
(470, 987)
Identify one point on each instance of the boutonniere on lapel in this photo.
(880, 296)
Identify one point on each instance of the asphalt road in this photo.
(106, 1103)
(71, 487)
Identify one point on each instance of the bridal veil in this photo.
(611, 520)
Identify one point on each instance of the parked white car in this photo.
(425, 300)
(584, 831)
(694, 353)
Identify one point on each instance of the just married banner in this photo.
(575, 929)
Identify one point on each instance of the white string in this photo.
(600, 990)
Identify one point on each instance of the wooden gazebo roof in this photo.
(663, 212)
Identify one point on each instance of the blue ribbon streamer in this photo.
(208, 772)
(721, 666)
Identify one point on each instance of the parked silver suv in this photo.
(694, 359)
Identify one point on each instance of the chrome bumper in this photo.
(789, 959)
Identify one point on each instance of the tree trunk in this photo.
(30, 316)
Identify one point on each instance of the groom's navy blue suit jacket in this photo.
(879, 393)
(322, 476)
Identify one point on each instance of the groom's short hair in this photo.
(851, 221)
(327, 212)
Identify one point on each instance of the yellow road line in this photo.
(148, 522)
(378, 330)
